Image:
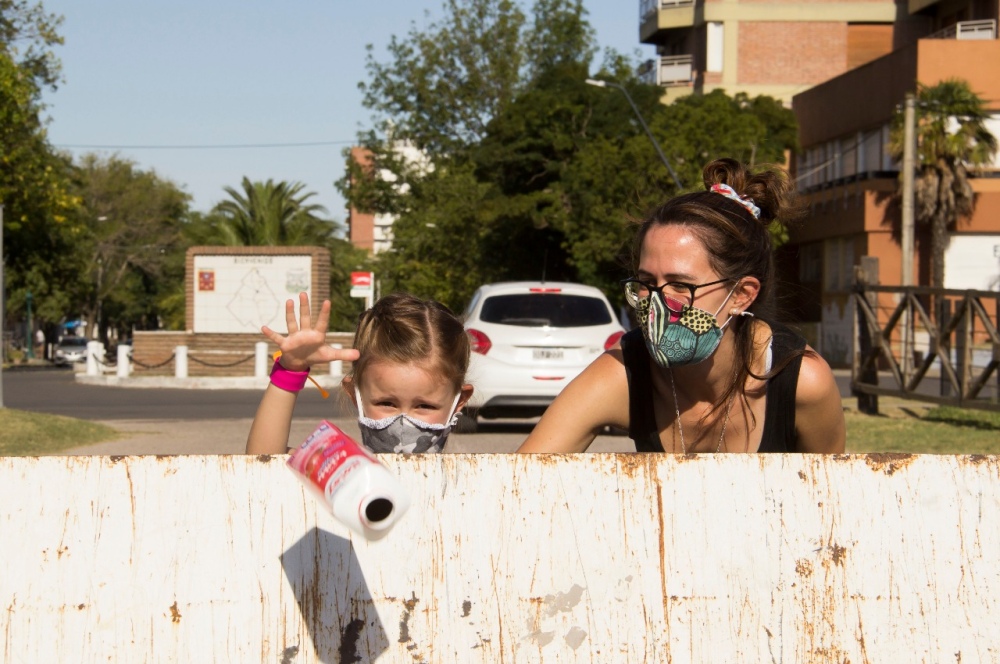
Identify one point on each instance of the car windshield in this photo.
(73, 342)
(539, 309)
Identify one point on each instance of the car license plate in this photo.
(547, 353)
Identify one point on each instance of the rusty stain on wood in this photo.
(803, 568)
(466, 608)
(175, 615)
(889, 462)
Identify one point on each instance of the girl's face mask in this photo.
(402, 433)
(679, 334)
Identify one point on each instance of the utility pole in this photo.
(906, 232)
(909, 148)
(607, 84)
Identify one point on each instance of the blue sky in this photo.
(223, 72)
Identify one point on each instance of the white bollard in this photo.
(337, 366)
(260, 359)
(124, 362)
(180, 362)
(95, 354)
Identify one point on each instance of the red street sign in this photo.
(361, 279)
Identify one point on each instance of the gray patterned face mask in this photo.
(403, 434)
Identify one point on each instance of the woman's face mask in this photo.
(402, 433)
(679, 334)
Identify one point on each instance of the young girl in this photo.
(408, 378)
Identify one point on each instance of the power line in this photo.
(234, 146)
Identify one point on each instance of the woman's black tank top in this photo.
(779, 409)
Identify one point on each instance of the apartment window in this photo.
(715, 47)
(811, 263)
(838, 263)
(887, 163)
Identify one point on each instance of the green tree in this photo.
(271, 214)
(546, 185)
(34, 180)
(952, 138)
(131, 221)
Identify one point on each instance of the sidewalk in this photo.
(179, 437)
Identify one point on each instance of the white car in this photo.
(529, 340)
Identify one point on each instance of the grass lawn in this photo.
(939, 430)
(24, 433)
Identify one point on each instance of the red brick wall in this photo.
(787, 52)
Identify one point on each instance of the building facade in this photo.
(775, 47)
(848, 180)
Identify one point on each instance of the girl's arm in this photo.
(819, 411)
(272, 423)
(596, 398)
(303, 346)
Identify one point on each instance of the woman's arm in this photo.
(598, 397)
(304, 346)
(819, 413)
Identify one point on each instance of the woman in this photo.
(707, 370)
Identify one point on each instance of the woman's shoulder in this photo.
(819, 413)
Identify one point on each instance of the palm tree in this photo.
(952, 138)
(271, 214)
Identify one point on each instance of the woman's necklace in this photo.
(677, 412)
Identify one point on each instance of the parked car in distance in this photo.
(529, 340)
(70, 350)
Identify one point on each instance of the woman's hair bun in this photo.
(769, 187)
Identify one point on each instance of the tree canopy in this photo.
(130, 221)
(533, 174)
(34, 179)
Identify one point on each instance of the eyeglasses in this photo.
(677, 295)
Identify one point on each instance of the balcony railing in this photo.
(647, 7)
(985, 29)
(667, 70)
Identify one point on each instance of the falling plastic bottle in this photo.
(359, 491)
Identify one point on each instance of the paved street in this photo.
(216, 421)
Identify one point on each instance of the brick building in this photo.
(848, 180)
(369, 231)
(776, 47)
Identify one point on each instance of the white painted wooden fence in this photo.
(505, 558)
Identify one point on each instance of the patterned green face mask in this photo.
(678, 334)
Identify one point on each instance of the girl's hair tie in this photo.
(745, 201)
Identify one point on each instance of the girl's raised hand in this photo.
(305, 344)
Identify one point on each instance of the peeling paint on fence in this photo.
(505, 558)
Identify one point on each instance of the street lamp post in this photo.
(608, 84)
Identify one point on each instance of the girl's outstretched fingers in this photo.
(305, 316)
(290, 322)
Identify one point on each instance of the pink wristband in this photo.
(292, 381)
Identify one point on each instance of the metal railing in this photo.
(647, 7)
(667, 70)
(929, 331)
(985, 29)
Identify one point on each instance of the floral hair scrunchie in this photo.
(745, 201)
